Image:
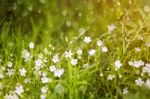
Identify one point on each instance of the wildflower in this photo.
(58, 73)
(1, 76)
(10, 64)
(146, 69)
(99, 43)
(55, 58)
(139, 82)
(31, 45)
(104, 49)
(136, 64)
(26, 55)
(125, 91)
(45, 80)
(110, 77)
(74, 61)
(10, 72)
(38, 62)
(44, 90)
(146, 9)
(137, 49)
(52, 68)
(92, 52)
(40, 56)
(11, 95)
(79, 52)
(111, 28)
(23, 72)
(27, 80)
(43, 96)
(68, 54)
(19, 89)
(87, 40)
(118, 64)
(46, 51)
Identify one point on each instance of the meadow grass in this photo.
(77, 53)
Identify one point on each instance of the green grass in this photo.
(89, 77)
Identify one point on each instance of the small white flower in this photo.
(55, 58)
(68, 54)
(44, 90)
(139, 82)
(79, 52)
(104, 49)
(27, 80)
(45, 80)
(43, 96)
(52, 68)
(10, 64)
(74, 61)
(40, 56)
(58, 72)
(111, 28)
(38, 62)
(11, 95)
(118, 64)
(87, 40)
(146, 8)
(125, 91)
(137, 49)
(146, 69)
(136, 64)
(19, 89)
(92, 52)
(10, 72)
(46, 51)
(26, 55)
(23, 72)
(99, 43)
(110, 77)
(31, 45)
(1, 76)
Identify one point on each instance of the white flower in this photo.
(111, 28)
(27, 80)
(104, 49)
(52, 68)
(1, 86)
(87, 39)
(11, 95)
(10, 64)
(44, 90)
(92, 52)
(10, 72)
(137, 49)
(110, 77)
(99, 43)
(118, 64)
(19, 89)
(31, 45)
(139, 82)
(68, 54)
(74, 61)
(136, 64)
(26, 55)
(55, 58)
(23, 72)
(147, 83)
(38, 62)
(43, 96)
(79, 52)
(58, 72)
(46, 51)
(1, 76)
(125, 91)
(40, 56)
(146, 69)
(45, 80)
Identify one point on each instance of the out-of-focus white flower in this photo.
(46, 51)
(11, 95)
(27, 80)
(74, 61)
(31, 45)
(118, 64)
(111, 28)
(43, 96)
(110, 77)
(19, 89)
(1, 76)
(125, 91)
(46, 80)
(68, 23)
(92, 52)
(40, 56)
(23, 72)
(44, 90)
(10, 72)
(146, 69)
(147, 83)
(139, 82)
(146, 8)
(64, 12)
(38, 62)
(79, 52)
(136, 64)
(104, 49)
(58, 72)
(68, 54)
(137, 49)
(52, 68)
(87, 39)
(26, 55)
(10, 64)
(86, 65)
(99, 43)
(55, 58)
